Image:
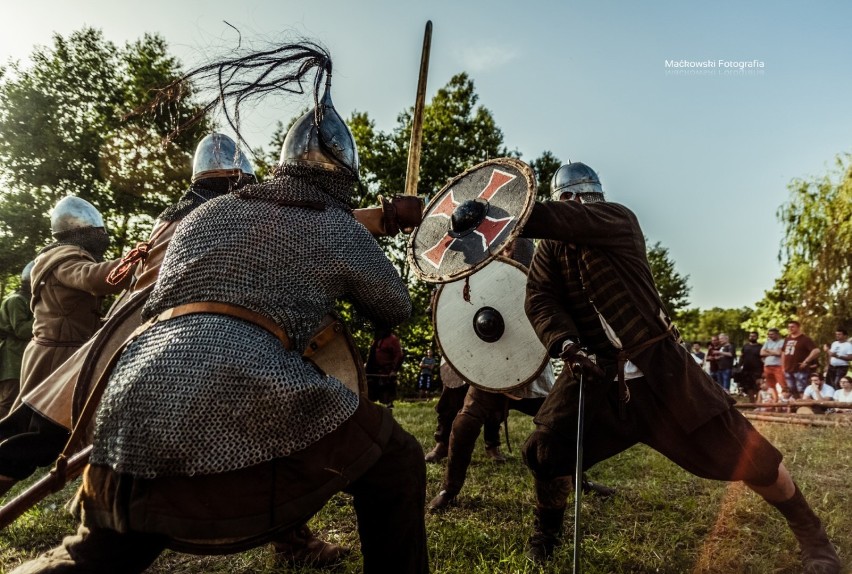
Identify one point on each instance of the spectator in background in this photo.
(771, 354)
(818, 390)
(844, 393)
(839, 354)
(427, 367)
(16, 330)
(799, 358)
(712, 358)
(697, 354)
(383, 363)
(752, 366)
(725, 356)
(766, 394)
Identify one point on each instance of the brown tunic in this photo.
(53, 397)
(612, 233)
(68, 289)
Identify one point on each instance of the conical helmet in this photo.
(71, 212)
(574, 177)
(321, 138)
(218, 156)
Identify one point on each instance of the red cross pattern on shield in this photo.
(488, 230)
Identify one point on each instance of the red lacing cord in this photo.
(128, 262)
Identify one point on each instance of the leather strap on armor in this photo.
(231, 311)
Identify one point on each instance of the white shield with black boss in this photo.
(483, 331)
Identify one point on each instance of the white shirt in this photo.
(827, 392)
(838, 348)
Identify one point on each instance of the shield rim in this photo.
(537, 372)
(529, 176)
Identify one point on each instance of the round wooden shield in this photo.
(501, 192)
(483, 331)
(334, 351)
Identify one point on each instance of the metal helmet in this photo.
(218, 156)
(27, 273)
(71, 212)
(574, 177)
(321, 138)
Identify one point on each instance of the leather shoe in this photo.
(494, 454)
(438, 453)
(443, 501)
(301, 546)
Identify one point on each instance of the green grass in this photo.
(663, 519)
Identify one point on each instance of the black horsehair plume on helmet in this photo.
(248, 76)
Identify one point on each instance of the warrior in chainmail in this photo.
(214, 434)
(36, 433)
(68, 286)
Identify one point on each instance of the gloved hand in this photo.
(548, 454)
(403, 212)
(577, 359)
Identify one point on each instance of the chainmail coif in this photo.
(208, 393)
(94, 240)
(200, 192)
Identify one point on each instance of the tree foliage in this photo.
(545, 166)
(717, 320)
(671, 285)
(817, 249)
(64, 129)
(774, 310)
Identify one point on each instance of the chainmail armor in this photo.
(206, 393)
(95, 240)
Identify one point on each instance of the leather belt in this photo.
(230, 310)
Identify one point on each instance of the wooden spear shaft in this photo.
(412, 172)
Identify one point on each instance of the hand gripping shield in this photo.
(483, 331)
(471, 219)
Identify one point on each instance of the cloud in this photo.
(484, 57)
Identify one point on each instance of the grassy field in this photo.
(662, 520)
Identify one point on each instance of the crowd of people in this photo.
(781, 369)
(215, 433)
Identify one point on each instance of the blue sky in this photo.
(702, 155)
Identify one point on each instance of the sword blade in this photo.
(578, 474)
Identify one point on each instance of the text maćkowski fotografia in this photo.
(717, 64)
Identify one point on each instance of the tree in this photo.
(774, 310)
(671, 285)
(717, 320)
(65, 129)
(545, 166)
(817, 249)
